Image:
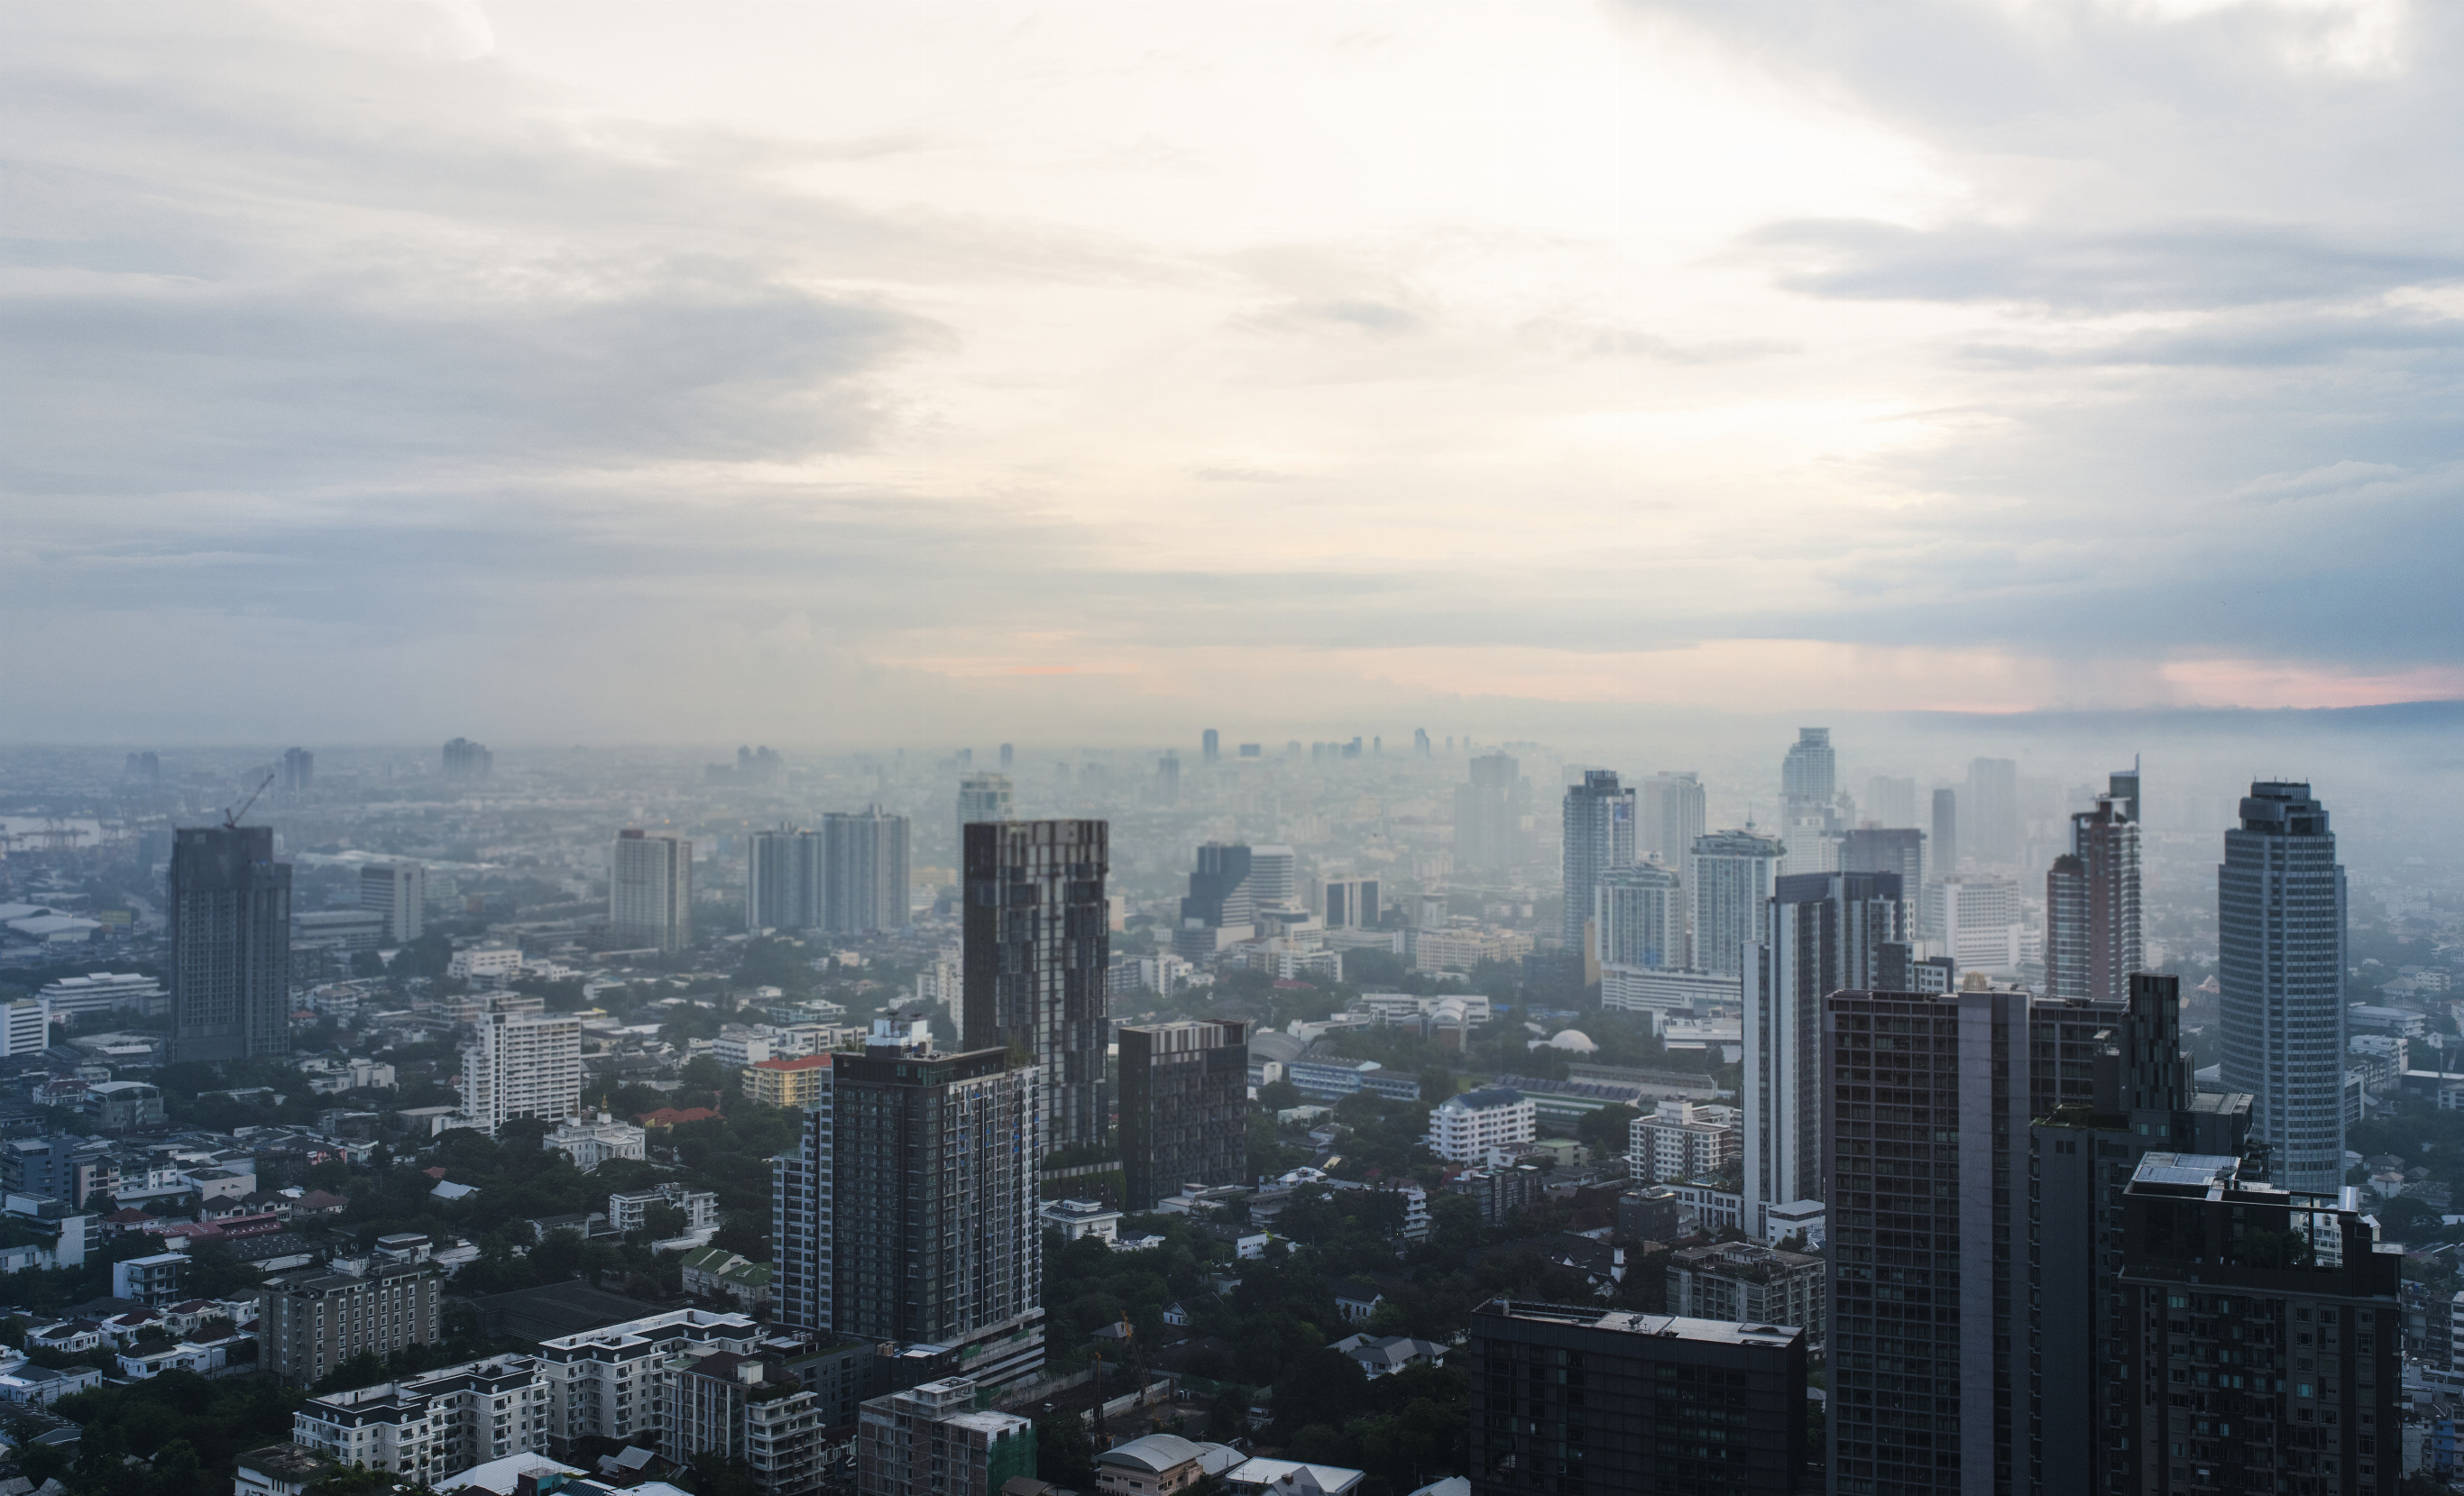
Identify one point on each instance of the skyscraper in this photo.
(1038, 936)
(1638, 918)
(299, 771)
(2280, 968)
(1826, 932)
(1349, 903)
(1489, 837)
(1219, 895)
(1599, 835)
(1007, 753)
(1168, 778)
(399, 891)
(1899, 850)
(650, 891)
(1274, 878)
(1210, 746)
(230, 940)
(467, 762)
(2092, 920)
(1184, 1107)
(779, 877)
(1945, 831)
(981, 796)
(521, 1065)
(1992, 812)
(1730, 882)
(863, 872)
(1671, 807)
(1891, 801)
(1809, 778)
(906, 1213)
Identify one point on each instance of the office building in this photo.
(908, 1213)
(1219, 910)
(399, 891)
(1750, 1284)
(1671, 806)
(1209, 746)
(1990, 808)
(1466, 1129)
(229, 944)
(1493, 811)
(59, 1166)
(1038, 937)
(1731, 883)
(1809, 779)
(2281, 966)
(1274, 878)
(299, 772)
(1599, 836)
(101, 991)
(24, 1028)
(1974, 918)
(1581, 1399)
(312, 1321)
(2092, 916)
(521, 1065)
(339, 931)
(1638, 918)
(1826, 932)
(650, 891)
(1349, 904)
(1899, 850)
(2263, 1349)
(1945, 831)
(1184, 1107)
(863, 874)
(981, 796)
(1891, 802)
(467, 762)
(933, 1440)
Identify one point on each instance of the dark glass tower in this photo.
(230, 944)
(1184, 1107)
(1038, 934)
(2280, 965)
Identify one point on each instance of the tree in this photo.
(1065, 1452)
(1607, 1130)
(745, 1237)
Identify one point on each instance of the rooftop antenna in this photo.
(230, 818)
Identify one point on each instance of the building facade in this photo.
(399, 891)
(1638, 918)
(1809, 780)
(1750, 1284)
(1492, 812)
(1465, 1128)
(312, 1321)
(2093, 939)
(2281, 970)
(1599, 821)
(785, 1082)
(1684, 1140)
(1184, 1107)
(981, 796)
(932, 1441)
(1671, 806)
(521, 1065)
(864, 872)
(1731, 874)
(228, 940)
(1038, 933)
(650, 891)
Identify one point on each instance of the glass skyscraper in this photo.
(2280, 968)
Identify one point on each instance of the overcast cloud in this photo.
(857, 372)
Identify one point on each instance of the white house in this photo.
(1463, 1129)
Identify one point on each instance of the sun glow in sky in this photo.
(836, 371)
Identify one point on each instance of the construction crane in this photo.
(230, 818)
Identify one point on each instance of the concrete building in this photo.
(1945, 831)
(521, 1065)
(1184, 1107)
(1668, 1406)
(1894, 850)
(1492, 818)
(1466, 1129)
(1599, 819)
(981, 797)
(1038, 937)
(2093, 941)
(1671, 811)
(1682, 1140)
(1975, 919)
(729, 1407)
(1809, 781)
(907, 1214)
(100, 992)
(433, 1424)
(228, 945)
(312, 1321)
(1990, 811)
(1638, 918)
(2280, 968)
(933, 1440)
(785, 1082)
(1274, 878)
(397, 891)
(465, 762)
(24, 1028)
(1732, 876)
(610, 1383)
(650, 891)
(1748, 1283)
(1349, 903)
(864, 872)
(629, 1210)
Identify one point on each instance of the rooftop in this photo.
(1665, 1325)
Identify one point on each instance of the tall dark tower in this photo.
(1038, 940)
(230, 944)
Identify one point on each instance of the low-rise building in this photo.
(1383, 1356)
(1479, 1125)
(590, 1142)
(279, 1470)
(1077, 1218)
(734, 1407)
(1684, 1140)
(1159, 1464)
(1337, 1078)
(1502, 1191)
(788, 1081)
(312, 1321)
(630, 1211)
(933, 1440)
(154, 1280)
(1747, 1283)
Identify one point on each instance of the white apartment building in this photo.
(630, 1210)
(1463, 1129)
(1684, 1140)
(1976, 921)
(493, 963)
(735, 1051)
(433, 1424)
(523, 1064)
(26, 1026)
(610, 1383)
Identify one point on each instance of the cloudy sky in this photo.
(881, 372)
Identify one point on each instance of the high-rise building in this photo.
(2123, 785)
(1826, 932)
(1639, 918)
(1899, 850)
(1974, 919)
(1891, 802)
(1588, 1399)
(1274, 878)
(650, 891)
(299, 771)
(1220, 895)
(399, 891)
(1168, 778)
(2263, 1349)
(1349, 903)
(521, 1065)
(1184, 1107)
(1809, 776)
(907, 1214)
(314, 1320)
(1945, 830)
(1038, 936)
(981, 796)
(1210, 746)
(2280, 968)
(1672, 810)
(1730, 882)
(1992, 812)
(1008, 754)
(229, 942)
(863, 867)
(779, 875)
(2092, 919)
(1491, 812)
(1599, 835)
(467, 762)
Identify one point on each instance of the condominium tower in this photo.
(1639, 918)
(2280, 967)
(1730, 882)
(229, 942)
(1038, 934)
(650, 891)
(1184, 1107)
(521, 1065)
(2092, 920)
(1599, 835)
(399, 891)
(1671, 808)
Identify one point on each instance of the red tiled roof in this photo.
(670, 1116)
(802, 1062)
(434, 1174)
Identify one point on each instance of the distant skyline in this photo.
(865, 373)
